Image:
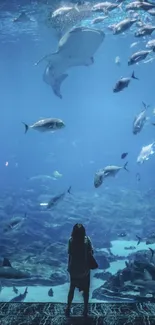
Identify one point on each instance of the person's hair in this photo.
(78, 233)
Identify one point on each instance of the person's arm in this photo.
(90, 246)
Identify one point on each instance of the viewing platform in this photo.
(141, 313)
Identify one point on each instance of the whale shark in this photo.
(76, 48)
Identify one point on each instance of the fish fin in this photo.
(152, 252)
(45, 57)
(127, 264)
(133, 76)
(6, 262)
(69, 190)
(139, 240)
(142, 292)
(26, 291)
(57, 85)
(26, 127)
(120, 6)
(147, 275)
(125, 166)
(145, 105)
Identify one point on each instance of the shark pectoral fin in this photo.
(47, 57)
(6, 262)
(57, 85)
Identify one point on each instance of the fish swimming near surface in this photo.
(138, 56)
(46, 125)
(21, 297)
(9, 272)
(106, 172)
(57, 198)
(123, 25)
(145, 30)
(123, 83)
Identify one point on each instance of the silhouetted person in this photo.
(79, 247)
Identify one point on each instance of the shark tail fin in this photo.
(26, 127)
(133, 76)
(125, 166)
(147, 275)
(152, 252)
(139, 240)
(145, 106)
(6, 262)
(57, 84)
(69, 190)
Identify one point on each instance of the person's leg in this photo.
(86, 295)
(70, 299)
(86, 299)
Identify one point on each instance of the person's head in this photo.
(78, 232)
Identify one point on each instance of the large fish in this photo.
(46, 125)
(140, 120)
(146, 152)
(106, 172)
(76, 48)
(9, 272)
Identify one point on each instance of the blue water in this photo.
(98, 122)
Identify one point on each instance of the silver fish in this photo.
(123, 83)
(106, 172)
(140, 120)
(138, 56)
(145, 30)
(46, 125)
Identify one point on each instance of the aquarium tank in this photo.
(77, 146)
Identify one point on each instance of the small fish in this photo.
(15, 290)
(46, 125)
(151, 44)
(57, 198)
(133, 44)
(117, 60)
(138, 177)
(98, 20)
(123, 25)
(123, 83)
(50, 292)
(21, 297)
(144, 31)
(138, 56)
(124, 154)
(145, 153)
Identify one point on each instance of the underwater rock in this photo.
(102, 260)
(59, 277)
(102, 275)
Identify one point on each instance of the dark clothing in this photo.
(81, 283)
